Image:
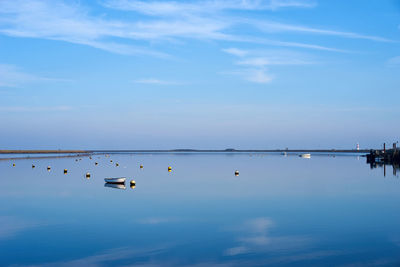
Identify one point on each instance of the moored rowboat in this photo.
(120, 180)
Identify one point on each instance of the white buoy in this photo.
(87, 175)
(236, 173)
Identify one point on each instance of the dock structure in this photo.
(385, 157)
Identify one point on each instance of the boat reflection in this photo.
(117, 186)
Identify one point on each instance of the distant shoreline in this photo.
(185, 150)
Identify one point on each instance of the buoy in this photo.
(76, 160)
(13, 164)
(116, 164)
(169, 168)
(48, 168)
(141, 166)
(65, 171)
(236, 173)
(96, 163)
(110, 160)
(33, 166)
(133, 183)
(87, 175)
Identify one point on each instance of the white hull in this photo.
(120, 180)
(306, 156)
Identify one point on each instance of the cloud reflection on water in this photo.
(11, 226)
(255, 237)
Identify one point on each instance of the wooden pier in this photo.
(383, 157)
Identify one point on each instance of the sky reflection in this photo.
(279, 210)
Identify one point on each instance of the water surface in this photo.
(280, 210)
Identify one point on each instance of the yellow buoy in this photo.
(65, 171)
(33, 166)
(48, 168)
(170, 168)
(133, 184)
(13, 164)
(141, 166)
(116, 164)
(236, 173)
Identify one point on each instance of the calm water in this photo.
(278, 211)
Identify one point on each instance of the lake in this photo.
(279, 210)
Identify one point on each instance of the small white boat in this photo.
(306, 156)
(120, 180)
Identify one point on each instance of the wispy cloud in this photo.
(271, 26)
(265, 61)
(260, 76)
(35, 109)
(155, 82)
(394, 61)
(56, 20)
(236, 51)
(157, 20)
(255, 63)
(208, 11)
(11, 76)
(168, 8)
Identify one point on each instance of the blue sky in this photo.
(199, 74)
